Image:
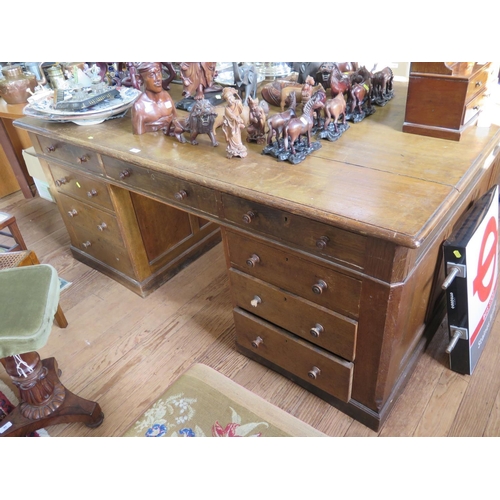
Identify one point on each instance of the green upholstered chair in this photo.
(29, 302)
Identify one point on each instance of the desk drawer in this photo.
(478, 83)
(315, 237)
(183, 193)
(80, 157)
(70, 182)
(473, 107)
(285, 269)
(90, 219)
(96, 245)
(325, 371)
(318, 325)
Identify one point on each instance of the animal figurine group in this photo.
(289, 134)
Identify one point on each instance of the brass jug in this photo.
(15, 84)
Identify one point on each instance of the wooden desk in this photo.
(334, 264)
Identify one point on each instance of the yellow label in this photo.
(78, 184)
(457, 254)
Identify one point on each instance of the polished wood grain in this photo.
(126, 359)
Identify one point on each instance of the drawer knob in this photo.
(102, 226)
(314, 372)
(72, 212)
(253, 260)
(61, 181)
(319, 287)
(478, 84)
(248, 217)
(91, 193)
(51, 149)
(86, 244)
(256, 343)
(180, 195)
(83, 159)
(316, 330)
(322, 242)
(124, 174)
(256, 301)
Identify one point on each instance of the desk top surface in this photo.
(376, 179)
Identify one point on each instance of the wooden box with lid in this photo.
(444, 98)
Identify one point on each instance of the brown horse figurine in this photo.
(382, 82)
(303, 125)
(335, 108)
(276, 123)
(357, 95)
(339, 83)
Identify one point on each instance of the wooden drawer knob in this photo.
(256, 301)
(248, 217)
(83, 159)
(316, 330)
(51, 149)
(253, 260)
(322, 242)
(314, 372)
(125, 174)
(102, 226)
(61, 181)
(72, 213)
(91, 193)
(180, 195)
(256, 343)
(319, 287)
(86, 244)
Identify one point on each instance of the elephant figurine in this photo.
(245, 80)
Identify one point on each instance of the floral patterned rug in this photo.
(8, 402)
(205, 403)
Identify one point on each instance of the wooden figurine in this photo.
(302, 126)
(359, 102)
(258, 113)
(276, 127)
(245, 80)
(334, 109)
(155, 110)
(382, 86)
(197, 78)
(233, 123)
(201, 121)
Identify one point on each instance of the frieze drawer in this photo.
(79, 157)
(183, 193)
(315, 237)
(314, 323)
(325, 371)
(91, 219)
(288, 270)
(70, 182)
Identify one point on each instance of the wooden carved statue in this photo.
(201, 121)
(382, 86)
(197, 78)
(277, 123)
(302, 126)
(155, 110)
(258, 112)
(233, 123)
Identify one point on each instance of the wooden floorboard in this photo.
(124, 351)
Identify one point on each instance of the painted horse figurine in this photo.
(302, 126)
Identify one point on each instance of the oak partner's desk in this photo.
(334, 264)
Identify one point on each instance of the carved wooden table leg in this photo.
(43, 400)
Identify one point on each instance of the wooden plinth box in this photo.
(445, 98)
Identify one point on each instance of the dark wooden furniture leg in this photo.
(43, 399)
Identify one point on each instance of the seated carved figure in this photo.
(155, 109)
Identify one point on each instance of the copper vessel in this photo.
(15, 84)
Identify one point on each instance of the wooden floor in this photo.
(123, 351)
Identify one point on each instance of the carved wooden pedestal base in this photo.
(43, 400)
